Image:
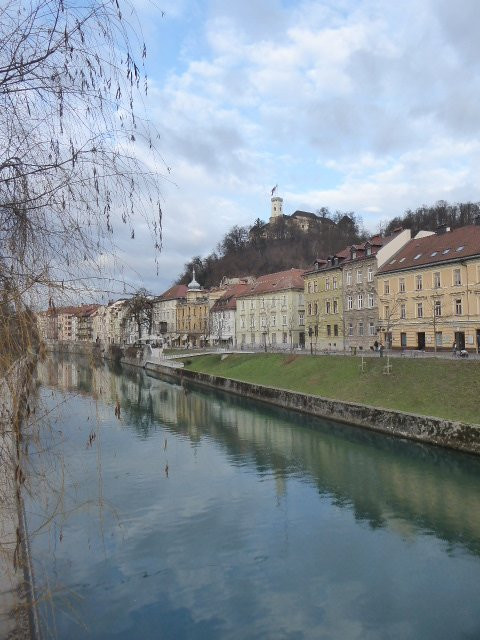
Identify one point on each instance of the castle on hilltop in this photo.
(303, 220)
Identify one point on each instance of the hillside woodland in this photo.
(246, 250)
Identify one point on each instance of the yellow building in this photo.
(193, 316)
(429, 292)
(324, 303)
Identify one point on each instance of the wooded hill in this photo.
(246, 250)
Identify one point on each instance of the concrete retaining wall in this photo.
(445, 433)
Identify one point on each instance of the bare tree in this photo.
(72, 135)
(139, 310)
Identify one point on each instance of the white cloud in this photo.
(361, 105)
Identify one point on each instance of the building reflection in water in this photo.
(404, 486)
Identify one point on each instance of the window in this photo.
(315, 286)
(371, 300)
(243, 323)
(335, 330)
(360, 328)
(284, 320)
(457, 277)
(437, 308)
(301, 318)
(370, 274)
(284, 338)
(327, 284)
(349, 277)
(335, 306)
(369, 251)
(349, 302)
(284, 301)
(252, 304)
(263, 321)
(360, 301)
(386, 286)
(436, 280)
(309, 309)
(401, 285)
(252, 338)
(274, 338)
(334, 283)
(419, 255)
(263, 303)
(329, 330)
(327, 306)
(403, 311)
(315, 309)
(386, 311)
(371, 329)
(419, 309)
(350, 329)
(252, 322)
(418, 283)
(309, 287)
(274, 321)
(359, 276)
(243, 338)
(438, 338)
(458, 307)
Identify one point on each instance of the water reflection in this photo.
(267, 524)
(386, 481)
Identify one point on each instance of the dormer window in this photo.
(369, 250)
(354, 255)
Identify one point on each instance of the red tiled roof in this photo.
(458, 244)
(376, 242)
(228, 301)
(280, 281)
(174, 293)
(84, 309)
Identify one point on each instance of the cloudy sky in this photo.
(364, 105)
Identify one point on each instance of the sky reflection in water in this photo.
(267, 524)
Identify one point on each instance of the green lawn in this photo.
(443, 388)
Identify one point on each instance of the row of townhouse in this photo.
(405, 293)
(416, 293)
(71, 324)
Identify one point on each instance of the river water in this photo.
(195, 514)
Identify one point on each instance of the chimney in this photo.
(442, 228)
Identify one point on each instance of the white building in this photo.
(165, 313)
(222, 316)
(271, 311)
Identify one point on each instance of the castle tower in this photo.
(277, 206)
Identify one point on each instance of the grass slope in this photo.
(442, 388)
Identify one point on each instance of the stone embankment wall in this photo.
(445, 433)
(17, 613)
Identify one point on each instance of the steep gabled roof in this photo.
(176, 292)
(228, 301)
(280, 281)
(458, 244)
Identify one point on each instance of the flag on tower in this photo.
(274, 189)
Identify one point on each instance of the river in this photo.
(169, 512)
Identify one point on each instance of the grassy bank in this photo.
(441, 388)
